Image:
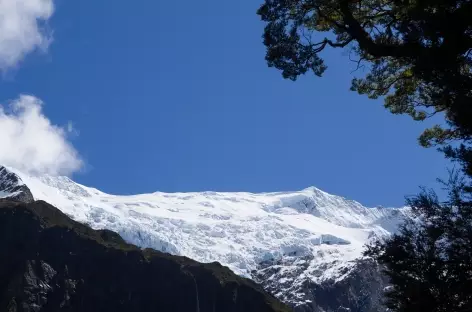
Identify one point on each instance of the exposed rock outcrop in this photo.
(360, 290)
(13, 188)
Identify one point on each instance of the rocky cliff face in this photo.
(49, 262)
(360, 290)
(13, 188)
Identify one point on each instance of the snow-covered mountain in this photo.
(292, 242)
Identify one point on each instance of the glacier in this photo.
(322, 233)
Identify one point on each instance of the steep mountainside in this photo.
(50, 263)
(303, 246)
(12, 187)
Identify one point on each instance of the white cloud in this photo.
(22, 29)
(29, 142)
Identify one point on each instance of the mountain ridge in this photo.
(260, 236)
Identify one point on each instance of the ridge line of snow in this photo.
(238, 230)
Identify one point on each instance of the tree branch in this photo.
(366, 42)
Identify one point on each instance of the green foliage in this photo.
(419, 52)
(428, 261)
(419, 58)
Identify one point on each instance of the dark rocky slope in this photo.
(360, 291)
(49, 262)
(13, 187)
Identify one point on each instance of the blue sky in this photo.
(176, 96)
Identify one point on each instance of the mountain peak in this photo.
(318, 235)
(12, 186)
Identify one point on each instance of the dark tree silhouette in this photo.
(429, 260)
(418, 54)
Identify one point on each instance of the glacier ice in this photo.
(239, 230)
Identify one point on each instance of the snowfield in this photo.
(239, 230)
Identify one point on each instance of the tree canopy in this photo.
(418, 54)
(429, 260)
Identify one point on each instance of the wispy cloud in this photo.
(29, 142)
(28, 139)
(22, 29)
